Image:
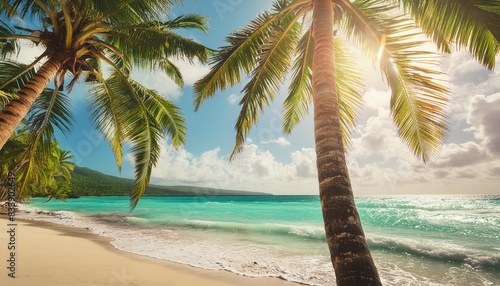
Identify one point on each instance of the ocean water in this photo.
(415, 240)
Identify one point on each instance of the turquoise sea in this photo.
(415, 240)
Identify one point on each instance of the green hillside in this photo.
(87, 182)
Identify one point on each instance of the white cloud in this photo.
(191, 72)
(379, 161)
(281, 141)
(378, 137)
(233, 99)
(468, 79)
(375, 99)
(484, 116)
(253, 169)
(460, 155)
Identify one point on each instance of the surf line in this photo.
(12, 226)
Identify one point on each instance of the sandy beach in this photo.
(51, 254)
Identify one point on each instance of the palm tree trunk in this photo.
(349, 251)
(12, 114)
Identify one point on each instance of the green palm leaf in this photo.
(296, 105)
(50, 111)
(349, 86)
(469, 24)
(272, 62)
(418, 97)
(146, 126)
(150, 47)
(13, 76)
(186, 21)
(143, 116)
(7, 46)
(229, 62)
(107, 111)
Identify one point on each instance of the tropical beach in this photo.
(232, 142)
(276, 240)
(62, 255)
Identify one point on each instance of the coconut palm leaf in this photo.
(418, 96)
(107, 111)
(272, 62)
(469, 24)
(13, 77)
(7, 46)
(349, 86)
(186, 21)
(125, 111)
(50, 110)
(150, 47)
(296, 105)
(229, 62)
(145, 130)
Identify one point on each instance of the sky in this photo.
(379, 161)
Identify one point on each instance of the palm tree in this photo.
(32, 152)
(298, 37)
(46, 173)
(84, 37)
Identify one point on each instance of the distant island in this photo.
(88, 182)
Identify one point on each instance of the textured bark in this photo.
(349, 251)
(12, 114)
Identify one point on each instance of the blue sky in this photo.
(379, 161)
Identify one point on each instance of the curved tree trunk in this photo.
(349, 251)
(12, 114)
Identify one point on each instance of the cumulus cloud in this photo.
(377, 137)
(460, 155)
(254, 169)
(468, 79)
(484, 118)
(378, 159)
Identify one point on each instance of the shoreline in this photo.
(51, 254)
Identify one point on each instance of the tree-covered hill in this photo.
(87, 182)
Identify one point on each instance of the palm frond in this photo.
(296, 105)
(7, 46)
(362, 21)
(470, 24)
(119, 12)
(273, 59)
(107, 109)
(48, 111)
(125, 111)
(171, 70)
(231, 61)
(348, 80)
(418, 95)
(147, 124)
(350, 88)
(186, 21)
(14, 75)
(148, 47)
